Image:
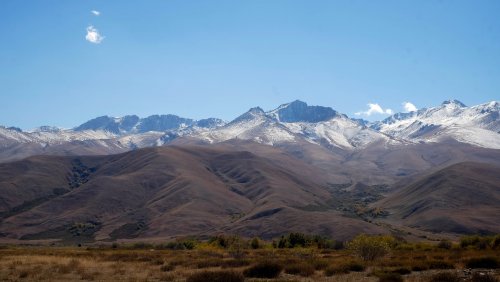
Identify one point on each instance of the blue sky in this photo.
(202, 58)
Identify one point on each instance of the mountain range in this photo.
(432, 172)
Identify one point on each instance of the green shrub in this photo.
(444, 277)
(294, 240)
(371, 247)
(302, 269)
(478, 242)
(484, 262)
(483, 277)
(219, 276)
(178, 245)
(265, 269)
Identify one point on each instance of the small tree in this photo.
(371, 247)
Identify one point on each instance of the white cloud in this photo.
(93, 35)
(96, 13)
(409, 107)
(374, 108)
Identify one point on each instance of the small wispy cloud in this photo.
(93, 35)
(409, 107)
(374, 108)
(95, 12)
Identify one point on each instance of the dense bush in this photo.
(302, 269)
(179, 245)
(444, 277)
(294, 240)
(480, 242)
(265, 269)
(485, 262)
(219, 276)
(371, 247)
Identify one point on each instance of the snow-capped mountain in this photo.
(132, 124)
(46, 135)
(294, 122)
(477, 125)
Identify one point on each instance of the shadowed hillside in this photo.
(168, 191)
(462, 198)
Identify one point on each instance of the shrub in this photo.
(206, 263)
(226, 241)
(402, 271)
(419, 267)
(265, 269)
(234, 263)
(302, 269)
(345, 268)
(371, 247)
(333, 270)
(445, 244)
(255, 243)
(485, 262)
(444, 277)
(479, 242)
(390, 277)
(220, 276)
(495, 243)
(354, 266)
(483, 277)
(179, 245)
(167, 267)
(439, 264)
(319, 264)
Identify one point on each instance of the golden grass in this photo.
(106, 264)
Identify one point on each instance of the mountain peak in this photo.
(299, 111)
(453, 102)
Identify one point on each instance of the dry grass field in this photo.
(211, 262)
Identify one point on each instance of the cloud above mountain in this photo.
(409, 107)
(374, 108)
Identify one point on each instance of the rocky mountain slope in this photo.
(169, 191)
